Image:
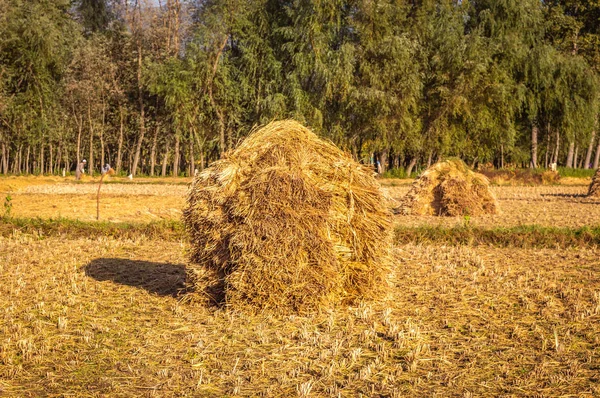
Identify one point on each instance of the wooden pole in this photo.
(111, 172)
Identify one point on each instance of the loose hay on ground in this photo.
(287, 221)
(449, 188)
(96, 318)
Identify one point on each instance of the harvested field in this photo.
(16, 183)
(554, 205)
(115, 208)
(102, 318)
(107, 189)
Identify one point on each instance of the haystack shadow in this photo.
(565, 195)
(163, 279)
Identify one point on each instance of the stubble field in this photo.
(88, 315)
(162, 199)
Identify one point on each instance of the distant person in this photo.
(80, 170)
(106, 168)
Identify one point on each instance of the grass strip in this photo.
(525, 236)
(68, 228)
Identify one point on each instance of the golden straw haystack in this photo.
(594, 189)
(287, 221)
(449, 188)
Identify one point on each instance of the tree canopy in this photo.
(165, 87)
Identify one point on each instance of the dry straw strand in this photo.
(287, 221)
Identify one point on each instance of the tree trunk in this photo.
(79, 141)
(213, 103)
(547, 147)
(7, 161)
(153, 151)
(429, 159)
(596, 157)
(65, 158)
(383, 159)
(534, 146)
(120, 145)
(556, 148)
(4, 159)
(570, 154)
(588, 154)
(27, 169)
(51, 162)
(192, 160)
(102, 159)
(7, 165)
(200, 145)
(176, 157)
(138, 149)
(14, 165)
(410, 167)
(130, 161)
(474, 163)
(41, 164)
(576, 157)
(165, 160)
(19, 169)
(57, 161)
(90, 161)
(176, 27)
(502, 156)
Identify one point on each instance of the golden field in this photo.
(89, 316)
(103, 318)
(152, 199)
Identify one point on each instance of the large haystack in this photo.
(594, 189)
(287, 221)
(449, 188)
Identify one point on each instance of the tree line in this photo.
(163, 87)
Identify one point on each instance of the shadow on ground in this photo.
(565, 195)
(163, 279)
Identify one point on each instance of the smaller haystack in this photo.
(449, 188)
(287, 222)
(594, 189)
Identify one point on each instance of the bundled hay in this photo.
(594, 189)
(449, 188)
(287, 221)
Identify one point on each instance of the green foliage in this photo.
(576, 173)
(399, 172)
(525, 236)
(467, 221)
(167, 230)
(95, 14)
(389, 80)
(7, 206)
